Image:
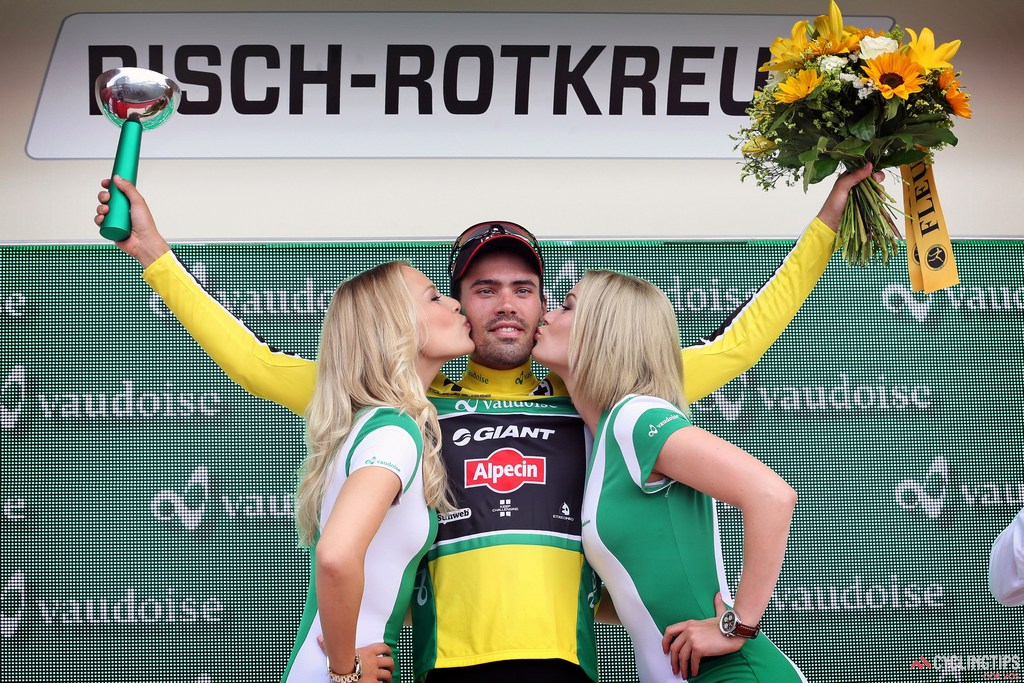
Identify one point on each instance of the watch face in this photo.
(729, 621)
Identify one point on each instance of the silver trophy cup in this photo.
(134, 100)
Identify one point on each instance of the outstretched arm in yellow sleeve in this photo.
(259, 369)
(745, 336)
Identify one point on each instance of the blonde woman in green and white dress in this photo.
(370, 487)
(649, 523)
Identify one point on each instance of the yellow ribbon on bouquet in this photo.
(929, 250)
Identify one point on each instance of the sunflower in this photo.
(895, 74)
(799, 86)
(957, 99)
(923, 51)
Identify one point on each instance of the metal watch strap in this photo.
(346, 678)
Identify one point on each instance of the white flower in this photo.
(776, 76)
(865, 88)
(872, 47)
(831, 63)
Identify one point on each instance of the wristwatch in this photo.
(346, 678)
(730, 625)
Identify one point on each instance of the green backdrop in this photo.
(146, 500)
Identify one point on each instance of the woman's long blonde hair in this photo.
(368, 353)
(624, 340)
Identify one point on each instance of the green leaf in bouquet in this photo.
(905, 139)
(920, 128)
(817, 170)
(823, 168)
(864, 127)
(901, 158)
(851, 148)
(808, 156)
(883, 146)
(926, 118)
(789, 160)
(892, 108)
(934, 137)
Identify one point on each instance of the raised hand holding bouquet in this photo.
(842, 95)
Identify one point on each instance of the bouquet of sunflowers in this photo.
(842, 95)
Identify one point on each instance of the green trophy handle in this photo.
(117, 224)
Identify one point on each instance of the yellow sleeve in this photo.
(741, 342)
(282, 378)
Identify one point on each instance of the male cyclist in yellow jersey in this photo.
(504, 594)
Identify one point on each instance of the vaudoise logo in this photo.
(900, 299)
(189, 505)
(199, 501)
(127, 400)
(938, 492)
(848, 392)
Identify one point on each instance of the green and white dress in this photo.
(656, 547)
(380, 437)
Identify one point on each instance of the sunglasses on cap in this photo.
(474, 238)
